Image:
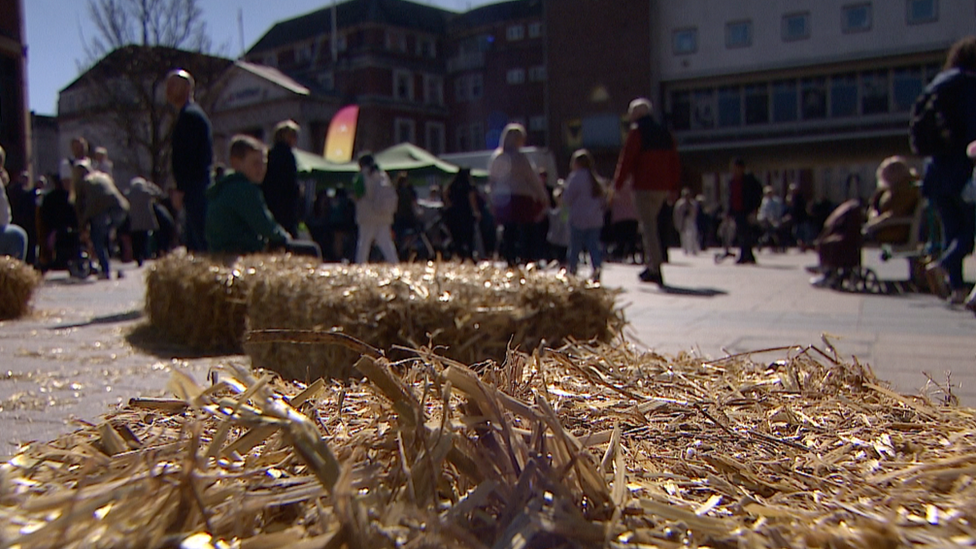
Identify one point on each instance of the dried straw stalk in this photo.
(18, 281)
(577, 447)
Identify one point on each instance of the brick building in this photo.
(496, 71)
(384, 55)
(14, 119)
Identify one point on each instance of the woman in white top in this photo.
(586, 200)
(13, 238)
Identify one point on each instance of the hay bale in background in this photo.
(471, 313)
(18, 281)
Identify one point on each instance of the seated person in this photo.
(238, 220)
(839, 243)
(897, 197)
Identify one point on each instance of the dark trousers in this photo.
(745, 236)
(516, 246)
(958, 224)
(195, 207)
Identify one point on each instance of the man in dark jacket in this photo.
(745, 196)
(280, 187)
(192, 156)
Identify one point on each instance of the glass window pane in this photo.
(843, 95)
(907, 85)
(729, 107)
(796, 26)
(738, 34)
(874, 92)
(857, 18)
(785, 100)
(814, 97)
(703, 110)
(757, 104)
(922, 11)
(684, 41)
(680, 110)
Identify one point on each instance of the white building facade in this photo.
(816, 92)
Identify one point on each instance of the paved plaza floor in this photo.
(73, 357)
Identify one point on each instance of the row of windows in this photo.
(405, 130)
(837, 96)
(403, 87)
(515, 33)
(517, 76)
(396, 40)
(472, 137)
(797, 26)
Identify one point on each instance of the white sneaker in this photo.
(821, 281)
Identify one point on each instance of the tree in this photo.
(138, 42)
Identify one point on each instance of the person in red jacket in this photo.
(650, 159)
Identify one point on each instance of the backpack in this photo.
(931, 127)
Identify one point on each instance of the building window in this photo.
(684, 41)
(535, 30)
(537, 123)
(874, 92)
(461, 138)
(537, 73)
(907, 85)
(738, 34)
(403, 85)
(515, 76)
(785, 100)
(477, 136)
(813, 97)
(461, 89)
(435, 137)
(843, 95)
(680, 110)
(515, 32)
(404, 129)
(757, 104)
(342, 44)
(856, 18)
(922, 11)
(729, 107)
(426, 47)
(326, 79)
(477, 86)
(796, 26)
(396, 41)
(433, 90)
(304, 53)
(703, 110)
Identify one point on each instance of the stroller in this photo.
(70, 255)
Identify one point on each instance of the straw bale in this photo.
(581, 446)
(18, 281)
(470, 313)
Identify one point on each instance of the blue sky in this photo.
(57, 30)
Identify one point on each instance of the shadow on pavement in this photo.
(150, 340)
(689, 292)
(109, 319)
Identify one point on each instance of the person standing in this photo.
(745, 196)
(946, 172)
(686, 222)
(79, 153)
(586, 200)
(461, 213)
(376, 202)
(280, 187)
(142, 196)
(650, 158)
(13, 238)
(518, 197)
(192, 156)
